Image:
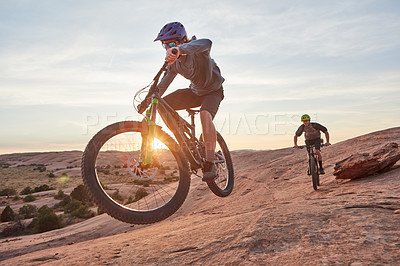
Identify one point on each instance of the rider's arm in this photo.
(325, 131)
(166, 80)
(298, 133)
(295, 141)
(195, 46)
(327, 138)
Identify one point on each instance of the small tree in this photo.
(83, 212)
(60, 195)
(80, 193)
(66, 199)
(140, 193)
(28, 211)
(29, 198)
(8, 192)
(47, 220)
(72, 206)
(26, 191)
(7, 214)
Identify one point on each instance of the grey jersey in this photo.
(312, 131)
(197, 66)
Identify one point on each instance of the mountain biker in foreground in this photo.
(191, 59)
(312, 132)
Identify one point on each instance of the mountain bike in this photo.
(137, 173)
(313, 168)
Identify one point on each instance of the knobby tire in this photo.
(122, 211)
(223, 185)
(314, 173)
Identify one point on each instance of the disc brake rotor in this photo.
(138, 171)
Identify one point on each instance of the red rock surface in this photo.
(273, 217)
(366, 164)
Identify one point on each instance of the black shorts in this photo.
(316, 142)
(185, 98)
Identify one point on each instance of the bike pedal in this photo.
(211, 180)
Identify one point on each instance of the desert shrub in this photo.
(28, 211)
(47, 220)
(4, 165)
(140, 193)
(80, 193)
(130, 200)
(15, 198)
(42, 188)
(51, 175)
(116, 196)
(83, 212)
(60, 195)
(99, 211)
(8, 192)
(72, 206)
(14, 230)
(26, 191)
(29, 198)
(40, 167)
(66, 199)
(7, 214)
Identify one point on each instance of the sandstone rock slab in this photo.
(366, 164)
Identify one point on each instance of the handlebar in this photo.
(304, 146)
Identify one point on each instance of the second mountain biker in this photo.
(313, 136)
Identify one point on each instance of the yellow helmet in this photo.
(305, 117)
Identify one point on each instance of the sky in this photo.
(69, 68)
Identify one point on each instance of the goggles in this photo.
(168, 45)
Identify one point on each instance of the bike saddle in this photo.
(193, 111)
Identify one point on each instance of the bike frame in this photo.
(311, 153)
(182, 130)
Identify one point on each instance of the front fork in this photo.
(148, 133)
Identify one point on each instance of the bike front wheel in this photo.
(122, 187)
(314, 173)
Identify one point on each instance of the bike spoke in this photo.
(120, 173)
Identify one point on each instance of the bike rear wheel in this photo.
(314, 173)
(122, 187)
(223, 185)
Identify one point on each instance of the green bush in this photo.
(26, 191)
(29, 198)
(83, 212)
(28, 211)
(140, 193)
(130, 200)
(80, 193)
(60, 195)
(99, 211)
(8, 192)
(47, 220)
(66, 199)
(72, 206)
(116, 196)
(7, 214)
(40, 167)
(43, 188)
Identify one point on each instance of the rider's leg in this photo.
(209, 134)
(208, 110)
(321, 169)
